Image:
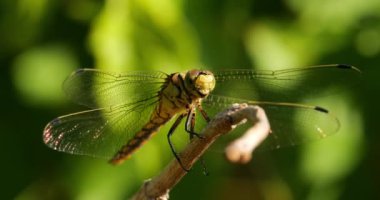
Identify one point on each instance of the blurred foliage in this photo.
(42, 41)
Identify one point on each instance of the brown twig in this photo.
(238, 151)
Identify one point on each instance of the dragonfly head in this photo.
(200, 82)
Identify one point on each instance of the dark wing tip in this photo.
(321, 109)
(346, 66)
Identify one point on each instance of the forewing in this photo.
(99, 132)
(288, 85)
(291, 124)
(97, 89)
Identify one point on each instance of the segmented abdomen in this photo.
(149, 129)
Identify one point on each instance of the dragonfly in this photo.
(126, 109)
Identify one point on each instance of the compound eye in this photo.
(193, 75)
(205, 83)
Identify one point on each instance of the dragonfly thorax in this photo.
(183, 89)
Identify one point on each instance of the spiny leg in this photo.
(171, 131)
(204, 114)
(189, 127)
(190, 124)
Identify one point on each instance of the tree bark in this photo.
(239, 150)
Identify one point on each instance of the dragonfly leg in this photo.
(171, 131)
(204, 114)
(190, 124)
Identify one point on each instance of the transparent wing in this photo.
(288, 85)
(98, 132)
(291, 124)
(96, 89)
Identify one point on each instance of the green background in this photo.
(42, 42)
